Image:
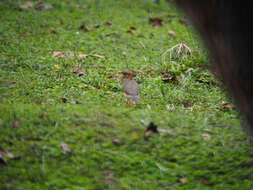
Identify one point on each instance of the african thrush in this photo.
(131, 87)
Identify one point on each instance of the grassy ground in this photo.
(65, 123)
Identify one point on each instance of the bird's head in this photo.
(128, 74)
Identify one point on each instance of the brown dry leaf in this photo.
(70, 55)
(156, 22)
(77, 102)
(64, 100)
(43, 116)
(26, 6)
(82, 56)
(5, 154)
(115, 77)
(65, 147)
(171, 33)
(152, 128)
(8, 155)
(53, 31)
(108, 23)
(183, 180)
(2, 160)
(47, 104)
(246, 164)
(187, 106)
(206, 137)
(15, 123)
(181, 21)
(38, 102)
(99, 56)
(110, 181)
(78, 73)
(43, 6)
(56, 67)
(62, 54)
(84, 27)
(133, 27)
(147, 133)
(116, 141)
(227, 105)
(96, 25)
(166, 78)
(129, 32)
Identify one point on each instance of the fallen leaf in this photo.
(2, 160)
(133, 27)
(206, 182)
(15, 123)
(80, 74)
(43, 116)
(64, 100)
(116, 141)
(110, 181)
(82, 56)
(206, 137)
(168, 77)
(227, 105)
(97, 26)
(47, 104)
(8, 154)
(181, 21)
(156, 22)
(108, 23)
(56, 67)
(70, 55)
(246, 164)
(43, 25)
(129, 32)
(77, 102)
(84, 27)
(62, 54)
(171, 33)
(5, 154)
(147, 133)
(43, 6)
(26, 6)
(115, 77)
(152, 128)
(96, 55)
(65, 147)
(183, 180)
(107, 173)
(81, 6)
(58, 54)
(53, 31)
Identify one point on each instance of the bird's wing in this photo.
(131, 87)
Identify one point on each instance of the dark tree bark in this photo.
(225, 27)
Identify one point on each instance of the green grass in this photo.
(44, 104)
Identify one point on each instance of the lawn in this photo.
(65, 123)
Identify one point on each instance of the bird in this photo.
(130, 86)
